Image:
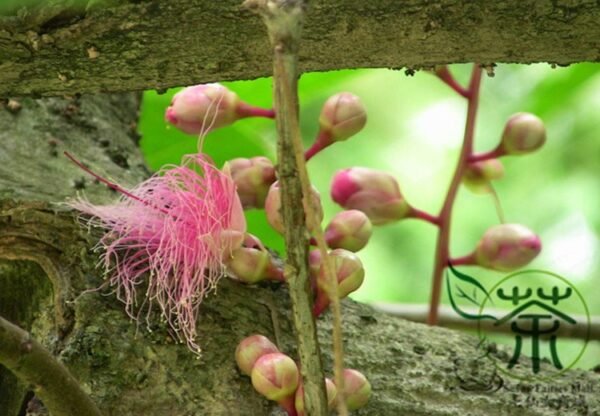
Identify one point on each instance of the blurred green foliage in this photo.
(415, 131)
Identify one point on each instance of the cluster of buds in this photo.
(202, 108)
(276, 376)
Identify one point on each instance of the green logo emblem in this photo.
(533, 306)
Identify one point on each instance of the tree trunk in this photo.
(69, 46)
(137, 369)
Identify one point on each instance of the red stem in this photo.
(468, 260)
(321, 142)
(110, 184)
(492, 154)
(247, 110)
(289, 405)
(442, 250)
(444, 74)
(425, 216)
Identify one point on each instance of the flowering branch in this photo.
(29, 360)
(445, 215)
(283, 20)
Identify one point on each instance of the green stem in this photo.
(52, 383)
(283, 19)
(445, 215)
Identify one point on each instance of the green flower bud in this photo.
(275, 376)
(478, 175)
(350, 274)
(273, 207)
(253, 178)
(343, 115)
(350, 230)
(250, 349)
(523, 133)
(357, 389)
(331, 391)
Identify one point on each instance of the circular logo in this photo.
(539, 310)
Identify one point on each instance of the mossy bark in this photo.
(68, 46)
(137, 369)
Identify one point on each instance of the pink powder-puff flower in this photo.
(173, 231)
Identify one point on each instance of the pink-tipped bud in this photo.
(250, 349)
(251, 265)
(343, 115)
(373, 192)
(275, 376)
(350, 230)
(523, 133)
(273, 208)
(357, 389)
(253, 178)
(350, 275)
(331, 391)
(507, 247)
(478, 175)
(200, 108)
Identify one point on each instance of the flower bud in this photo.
(331, 391)
(373, 192)
(357, 389)
(343, 115)
(349, 230)
(273, 208)
(200, 108)
(314, 264)
(507, 247)
(251, 265)
(250, 349)
(252, 177)
(523, 133)
(478, 175)
(349, 272)
(275, 376)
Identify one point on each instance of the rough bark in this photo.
(108, 45)
(129, 370)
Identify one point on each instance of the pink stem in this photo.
(468, 260)
(445, 75)
(442, 250)
(492, 154)
(247, 110)
(425, 216)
